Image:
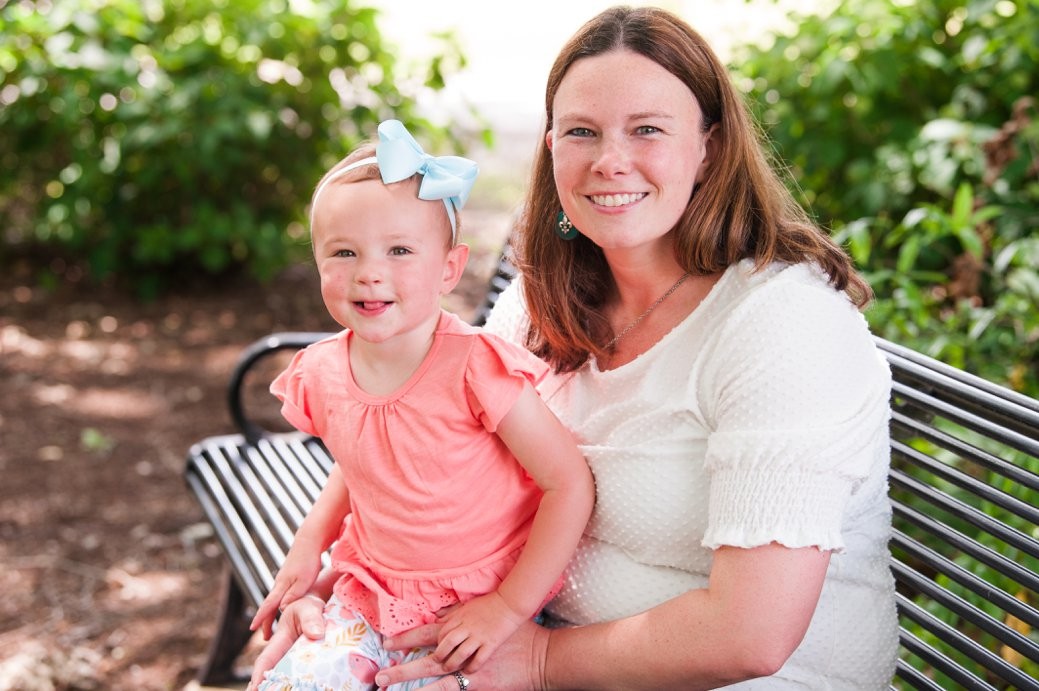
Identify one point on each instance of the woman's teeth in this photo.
(616, 199)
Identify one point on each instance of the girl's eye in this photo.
(343, 253)
(400, 251)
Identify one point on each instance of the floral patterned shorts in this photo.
(345, 660)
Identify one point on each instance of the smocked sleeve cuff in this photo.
(794, 508)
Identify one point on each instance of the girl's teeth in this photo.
(616, 199)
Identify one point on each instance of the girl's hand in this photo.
(292, 582)
(471, 632)
(300, 618)
(517, 665)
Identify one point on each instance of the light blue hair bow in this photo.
(449, 178)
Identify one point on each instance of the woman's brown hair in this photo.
(740, 209)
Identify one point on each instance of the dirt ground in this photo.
(108, 571)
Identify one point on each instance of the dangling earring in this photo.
(564, 228)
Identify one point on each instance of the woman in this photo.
(712, 363)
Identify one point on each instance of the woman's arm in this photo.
(745, 624)
(547, 451)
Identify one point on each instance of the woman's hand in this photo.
(517, 665)
(300, 618)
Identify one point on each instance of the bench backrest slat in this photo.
(965, 609)
(965, 645)
(936, 563)
(939, 661)
(905, 426)
(973, 486)
(956, 542)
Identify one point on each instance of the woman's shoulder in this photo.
(777, 280)
(789, 308)
(781, 293)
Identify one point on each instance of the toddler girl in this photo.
(453, 482)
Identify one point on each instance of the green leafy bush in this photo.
(911, 129)
(160, 139)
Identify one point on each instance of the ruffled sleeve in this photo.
(799, 411)
(290, 388)
(495, 375)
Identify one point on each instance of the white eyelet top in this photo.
(762, 417)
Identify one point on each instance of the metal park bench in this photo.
(965, 554)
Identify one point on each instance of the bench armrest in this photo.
(255, 352)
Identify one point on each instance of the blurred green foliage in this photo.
(912, 130)
(159, 139)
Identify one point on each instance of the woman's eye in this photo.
(580, 132)
(647, 129)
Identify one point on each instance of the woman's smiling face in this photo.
(627, 148)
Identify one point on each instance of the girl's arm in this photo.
(745, 624)
(547, 451)
(549, 454)
(319, 529)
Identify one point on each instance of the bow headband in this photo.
(398, 155)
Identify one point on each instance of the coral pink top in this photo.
(439, 507)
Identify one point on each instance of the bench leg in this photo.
(231, 636)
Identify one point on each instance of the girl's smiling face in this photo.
(384, 258)
(627, 146)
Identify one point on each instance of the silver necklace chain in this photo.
(629, 327)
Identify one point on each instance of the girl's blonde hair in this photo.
(369, 171)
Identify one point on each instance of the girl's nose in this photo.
(368, 271)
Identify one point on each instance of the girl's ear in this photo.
(454, 267)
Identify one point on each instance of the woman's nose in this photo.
(612, 157)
